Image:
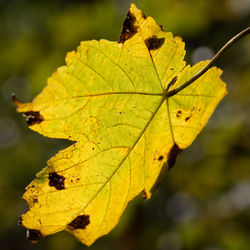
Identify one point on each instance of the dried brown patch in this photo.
(33, 235)
(33, 117)
(56, 180)
(174, 151)
(154, 43)
(160, 158)
(80, 222)
(129, 28)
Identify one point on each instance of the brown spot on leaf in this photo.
(129, 28)
(56, 180)
(174, 151)
(144, 195)
(160, 158)
(80, 222)
(154, 42)
(187, 118)
(35, 200)
(33, 235)
(178, 114)
(33, 117)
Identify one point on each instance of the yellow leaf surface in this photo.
(111, 98)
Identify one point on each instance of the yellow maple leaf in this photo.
(112, 99)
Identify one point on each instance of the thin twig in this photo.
(211, 62)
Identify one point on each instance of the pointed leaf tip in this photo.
(15, 101)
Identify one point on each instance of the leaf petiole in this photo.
(211, 62)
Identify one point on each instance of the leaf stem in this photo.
(211, 62)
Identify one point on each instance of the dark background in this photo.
(204, 202)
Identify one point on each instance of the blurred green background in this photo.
(204, 202)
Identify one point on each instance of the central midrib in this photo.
(132, 148)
